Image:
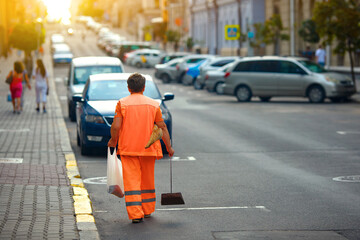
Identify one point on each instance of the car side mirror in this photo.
(168, 96)
(78, 98)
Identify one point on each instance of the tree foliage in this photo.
(173, 36)
(273, 32)
(308, 31)
(26, 38)
(258, 40)
(339, 19)
(90, 8)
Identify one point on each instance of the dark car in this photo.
(96, 107)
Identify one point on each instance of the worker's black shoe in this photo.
(137, 220)
(147, 215)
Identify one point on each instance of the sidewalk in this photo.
(41, 193)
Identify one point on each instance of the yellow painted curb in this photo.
(77, 182)
(85, 218)
(82, 205)
(78, 191)
(70, 157)
(73, 171)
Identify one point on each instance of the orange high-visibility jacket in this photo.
(139, 114)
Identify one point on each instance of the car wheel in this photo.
(138, 65)
(165, 78)
(316, 94)
(219, 88)
(198, 85)
(265, 99)
(72, 114)
(243, 94)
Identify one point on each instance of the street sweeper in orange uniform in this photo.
(133, 124)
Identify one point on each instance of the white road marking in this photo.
(347, 132)
(11, 160)
(214, 208)
(15, 130)
(101, 211)
(63, 98)
(178, 159)
(58, 79)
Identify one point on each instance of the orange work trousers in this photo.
(139, 185)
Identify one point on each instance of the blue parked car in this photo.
(192, 72)
(95, 108)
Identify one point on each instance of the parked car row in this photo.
(263, 77)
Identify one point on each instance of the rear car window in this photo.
(222, 63)
(115, 89)
(258, 66)
(194, 60)
(81, 74)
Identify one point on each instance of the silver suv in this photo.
(80, 70)
(266, 77)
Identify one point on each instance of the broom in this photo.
(166, 198)
(172, 198)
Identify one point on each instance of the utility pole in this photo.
(292, 30)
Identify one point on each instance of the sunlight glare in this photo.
(58, 9)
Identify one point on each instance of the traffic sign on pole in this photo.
(232, 32)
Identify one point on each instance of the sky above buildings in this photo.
(58, 9)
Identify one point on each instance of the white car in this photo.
(80, 70)
(144, 58)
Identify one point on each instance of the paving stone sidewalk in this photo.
(36, 198)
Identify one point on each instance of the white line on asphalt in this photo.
(63, 98)
(15, 130)
(178, 159)
(347, 132)
(101, 211)
(214, 208)
(58, 79)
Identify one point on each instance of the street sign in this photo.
(232, 32)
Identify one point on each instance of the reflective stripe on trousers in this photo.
(139, 184)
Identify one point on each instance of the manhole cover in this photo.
(96, 180)
(355, 178)
(11, 160)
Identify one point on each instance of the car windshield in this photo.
(313, 66)
(81, 74)
(115, 89)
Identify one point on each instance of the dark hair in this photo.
(41, 67)
(18, 67)
(136, 82)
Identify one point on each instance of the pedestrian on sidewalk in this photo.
(133, 123)
(320, 56)
(41, 84)
(16, 87)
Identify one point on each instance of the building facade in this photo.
(209, 18)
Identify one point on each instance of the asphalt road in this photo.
(246, 170)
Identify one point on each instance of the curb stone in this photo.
(85, 220)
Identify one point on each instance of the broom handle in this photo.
(170, 175)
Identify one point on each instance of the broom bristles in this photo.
(172, 199)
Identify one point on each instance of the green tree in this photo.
(189, 44)
(258, 40)
(273, 32)
(337, 19)
(173, 36)
(90, 8)
(308, 31)
(26, 38)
